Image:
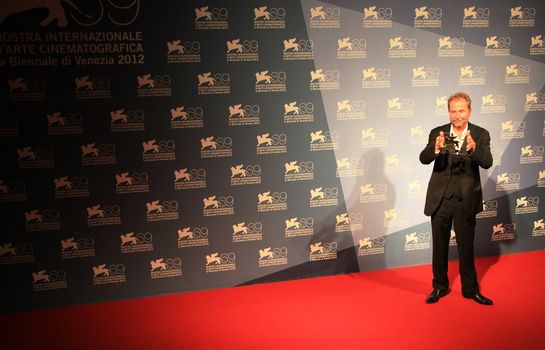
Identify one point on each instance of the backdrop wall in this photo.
(161, 147)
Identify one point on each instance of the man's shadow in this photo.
(368, 214)
(374, 208)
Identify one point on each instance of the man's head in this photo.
(459, 110)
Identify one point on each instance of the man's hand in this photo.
(470, 143)
(440, 142)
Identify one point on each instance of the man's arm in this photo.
(482, 155)
(429, 153)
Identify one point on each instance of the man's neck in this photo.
(459, 132)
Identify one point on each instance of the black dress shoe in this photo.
(435, 295)
(479, 298)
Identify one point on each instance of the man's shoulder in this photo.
(476, 128)
(445, 127)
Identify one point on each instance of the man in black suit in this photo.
(454, 194)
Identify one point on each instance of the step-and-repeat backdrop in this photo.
(154, 147)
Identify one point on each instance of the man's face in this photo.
(459, 113)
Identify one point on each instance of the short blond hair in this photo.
(461, 95)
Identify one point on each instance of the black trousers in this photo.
(454, 211)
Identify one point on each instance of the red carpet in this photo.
(373, 310)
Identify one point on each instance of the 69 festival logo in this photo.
(154, 85)
(127, 120)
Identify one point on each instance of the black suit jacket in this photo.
(469, 179)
